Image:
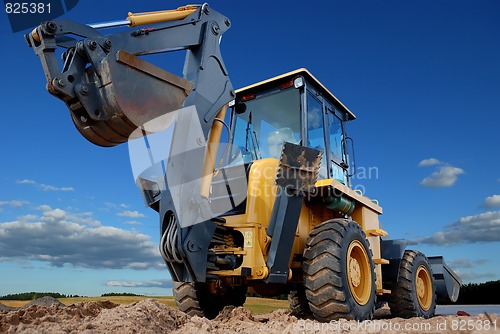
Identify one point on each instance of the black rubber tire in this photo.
(403, 300)
(325, 272)
(194, 299)
(299, 305)
(236, 296)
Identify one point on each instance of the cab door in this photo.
(336, 144)
(325, 132)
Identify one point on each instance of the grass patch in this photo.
(264, 305)
(14, 303)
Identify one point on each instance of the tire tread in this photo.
(325, 287)
(402, 301)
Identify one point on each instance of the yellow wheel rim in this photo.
(359, 272)
(423, 286)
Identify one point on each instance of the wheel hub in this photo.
(355, 272)
(359, 275)
(423, 287)
(420, 287)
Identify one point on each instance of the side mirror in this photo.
(240, 108)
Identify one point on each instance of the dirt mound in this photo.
(6, 308)
(240, 320)
(46, 301)
(150, 316)
(147, 316)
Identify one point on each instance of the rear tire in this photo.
(414, 293)
(236, 296)
(299, 305)
(339, 272)
(195, 299)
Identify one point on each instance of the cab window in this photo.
(315, 130)
(336, 147)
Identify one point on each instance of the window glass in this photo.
(336, 146)
(267, 122)
(315, 130)
(336, 138)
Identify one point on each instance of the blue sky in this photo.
(422, 77)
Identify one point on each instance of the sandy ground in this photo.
(47, 315)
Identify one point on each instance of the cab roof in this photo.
(272, 82)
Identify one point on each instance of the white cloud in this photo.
(14, 203)
(44, 207)
(62, 238)
(429, 162)
(133, 222)
(492, 201)
(484, 227)
(141, 284)
(26, 181)
(445, 176)
(28, 217)
(111, 205)
(466, 263)
(80, 218)
(53, 215)
(131, 214)
(45, 187)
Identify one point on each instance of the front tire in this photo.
(339, 272)
(414, 293)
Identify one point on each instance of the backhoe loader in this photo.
(253, 186)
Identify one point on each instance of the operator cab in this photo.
(294, 107)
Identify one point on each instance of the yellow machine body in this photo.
(253, 223)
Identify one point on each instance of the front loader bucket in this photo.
(122, 94)
(447, 281)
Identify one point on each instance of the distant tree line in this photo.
(114, 294)
(482, 293)
(35, 295)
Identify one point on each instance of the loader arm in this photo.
(113, 95)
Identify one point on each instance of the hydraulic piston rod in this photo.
(139, 19)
